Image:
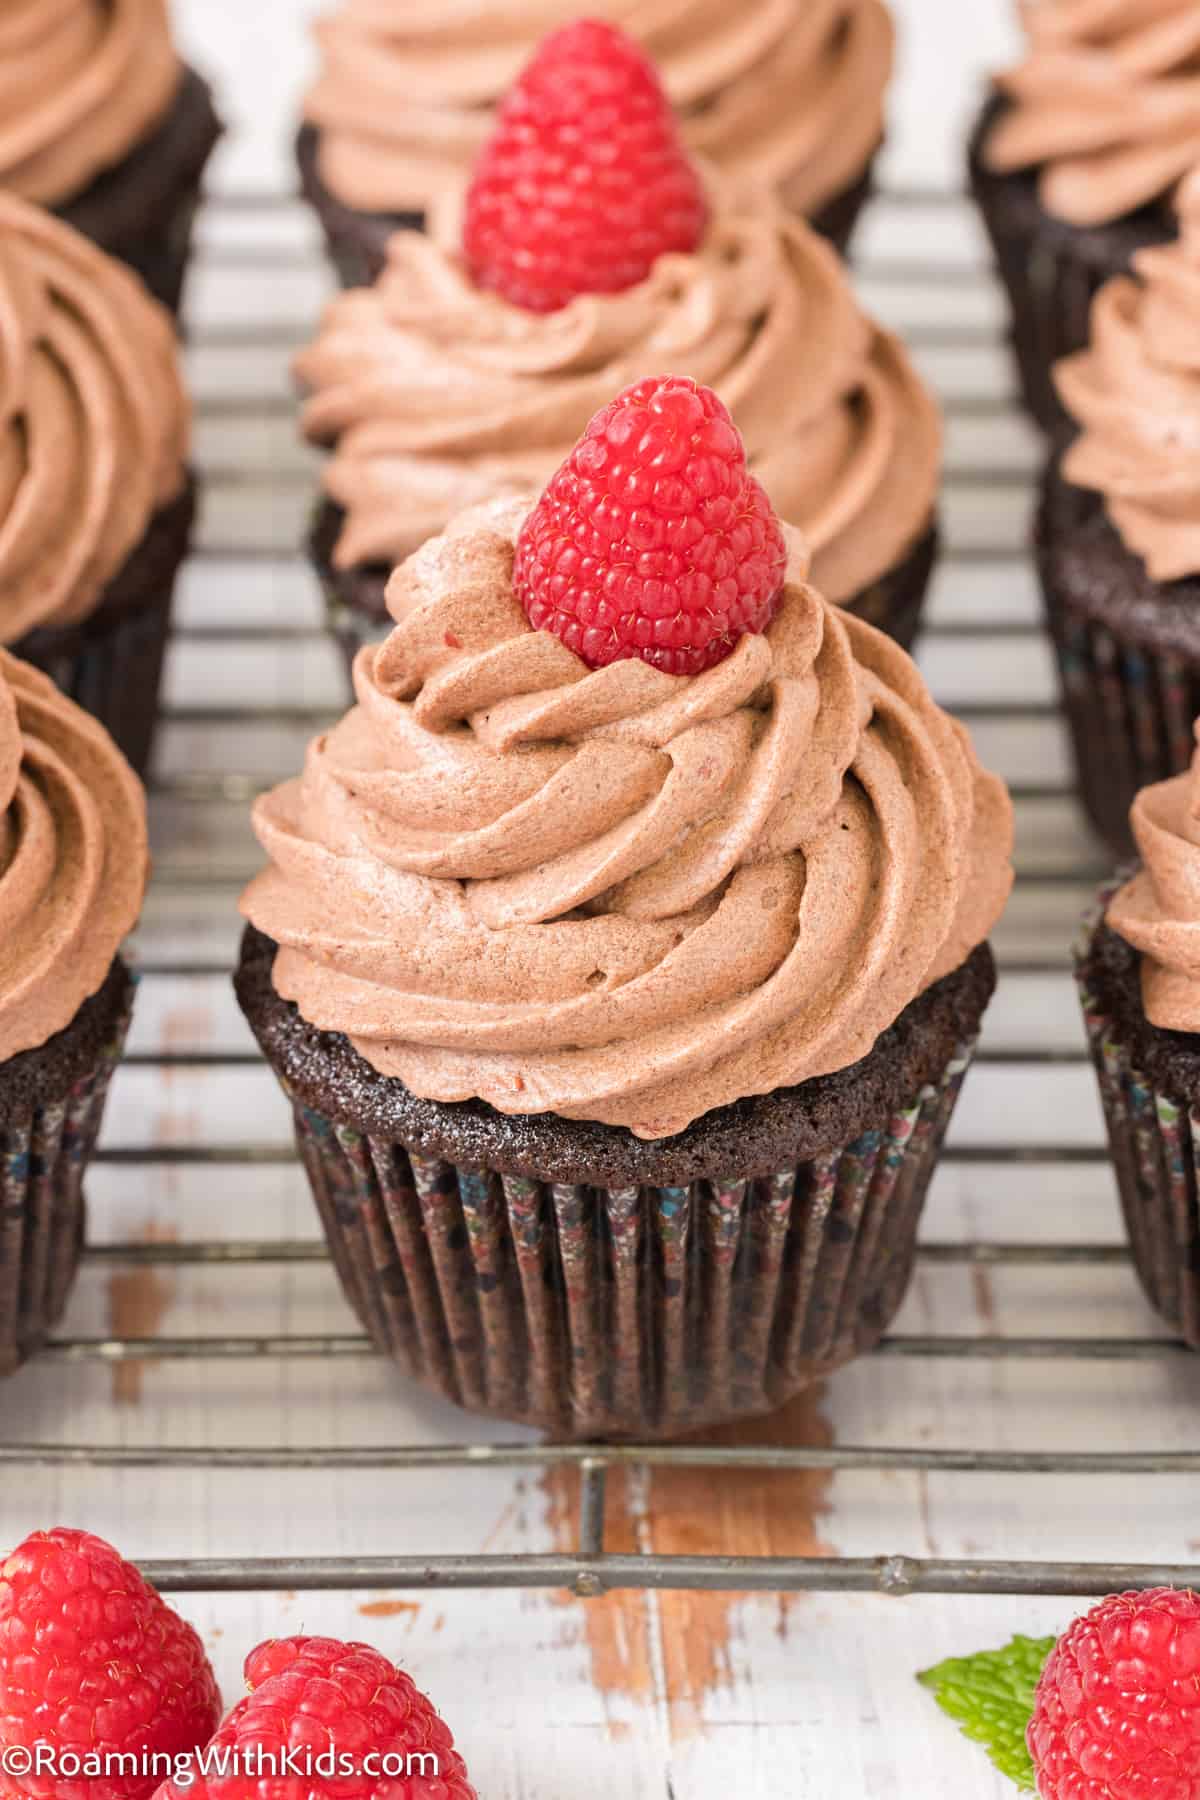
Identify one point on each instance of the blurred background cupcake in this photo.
(1075, 159)
(476, 359)
(787, 92)
(1118, 538)
(1139, 980)
(623, 949)
(101, 122)
(75, 865)
(96, 501)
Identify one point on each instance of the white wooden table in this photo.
(648, 1695)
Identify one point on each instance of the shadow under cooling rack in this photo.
(240, 378)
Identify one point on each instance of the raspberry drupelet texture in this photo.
(94, 1662)
(584, 183)
(1117, 1715)
(653, 539)
(314, 1696)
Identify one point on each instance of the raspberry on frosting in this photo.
(584, 183)
(653, 539)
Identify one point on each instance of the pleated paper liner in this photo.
(356, 242)
(44, 1152)
(1155, 1141)
(111, 663)
(1129, 703)
(629, 1312)
(356, 613)
(143, 210)
(1051, 271)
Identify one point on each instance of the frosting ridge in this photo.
(790, 91)
(1135, 394)
(81, 83)
(94, 419)
(617, 894)
(1106, 105)
(73, 856)
(1158, 911)
(434, 395)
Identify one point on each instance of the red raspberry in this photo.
(584, 183)
(313, 1697)
(1117, 1715)
(653, 539)
(94, 1662)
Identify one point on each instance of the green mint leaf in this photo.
(990, 1696)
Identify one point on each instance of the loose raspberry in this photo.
(653, 539)
(584, 183)
(321, 1701)
(1117, 1714)
(94, 1663)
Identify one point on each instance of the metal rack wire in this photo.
(591, 1569)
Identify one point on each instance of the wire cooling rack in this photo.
(260, 483)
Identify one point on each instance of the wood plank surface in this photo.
(673, 1696)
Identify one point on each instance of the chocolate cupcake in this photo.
(1118, 535)
(432, 393)
(96, 501)
(1139, 981)
(75, 865)
(788, 93)
(102, 123)
(1074, 161)
(623, 1004)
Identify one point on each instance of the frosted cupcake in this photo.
(1139, 978)
(471, 366)
(1118, 535)
(73, 869)
(623, 949)
(96, 501)
(787, 92)
(101, 122)
(1075, 160)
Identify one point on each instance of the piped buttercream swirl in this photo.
(1158, 911)
(94, 418)
(81, 83)
(616, 894)
(1106, 105)
(434, 395)
(1135, 394)
(73, 856)
(788, 91)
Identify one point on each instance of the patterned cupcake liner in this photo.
(43, 1155)
(144, 210)
(1050, 272)
(1155, 1141)
(894, 603)
(1129, 707)
(630, 1312)
(112, 662)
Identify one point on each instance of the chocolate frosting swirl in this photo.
(81, 83)
(616, 894)
(73, 856)
(1106, 105)
(435, 395)
(1135, 393)
(788, 91)
(1158, 911)
(94, 419)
